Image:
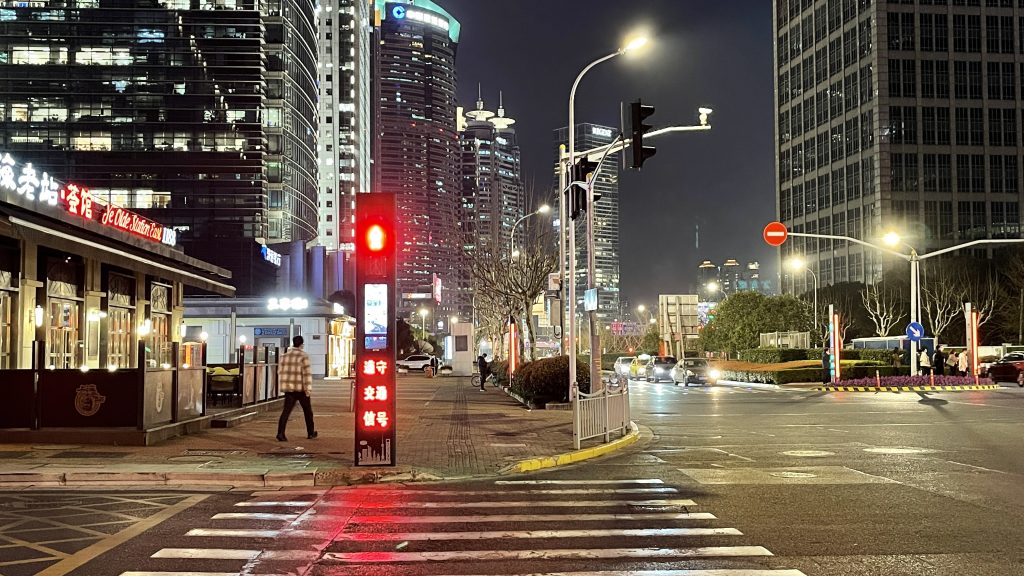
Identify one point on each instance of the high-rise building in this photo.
(899, 116)
(416, 145)
(606, 220)
(201, 116)
(493, 198)
(344, 144)
(492, 182)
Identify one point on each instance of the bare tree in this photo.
(493, 297)
(942, 295)
(528, 279)
(985, 296)
(884, 307)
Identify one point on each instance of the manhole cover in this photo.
(192, 452)
(793, 475)
(808, 453)
(899, 450)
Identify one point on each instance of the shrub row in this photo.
(780, 355)
(546, 380)
(793, 375)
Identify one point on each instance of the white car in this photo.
(418, 362)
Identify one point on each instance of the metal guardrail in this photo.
(601, 413)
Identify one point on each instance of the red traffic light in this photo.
(376, 238)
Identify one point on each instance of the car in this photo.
(659, 367)
(622, 365)
(418, 362)
(1008, 368)
(636, 367)
(693, 371)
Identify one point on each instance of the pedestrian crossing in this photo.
(509, 527)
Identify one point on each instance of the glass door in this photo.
(6, 305)
(120, 334)
(62, 339)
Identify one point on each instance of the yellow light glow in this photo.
(891, 239)
(635, 43)
(796, 264)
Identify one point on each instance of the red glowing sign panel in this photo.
(376, 243)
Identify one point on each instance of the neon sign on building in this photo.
(41, 188)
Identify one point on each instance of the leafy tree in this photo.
(405, 341)
(742, 317)
(651, 344)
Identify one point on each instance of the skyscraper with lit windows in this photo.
(896, 116)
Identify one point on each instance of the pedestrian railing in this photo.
(601, 413)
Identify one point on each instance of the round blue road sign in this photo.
(915, 331)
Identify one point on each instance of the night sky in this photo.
(702, 53)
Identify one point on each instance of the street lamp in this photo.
(544, 209)
(595, 366)
(423, 323)
(798, 264)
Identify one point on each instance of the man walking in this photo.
(295, 377)
(485, 370)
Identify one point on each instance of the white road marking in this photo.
(253, 516)
(977, 467)
(288, 503)
(577, 482)
(698, 572)
(490, 494)
(564, 554)
(507, 504)
(530, 518)
(248, 533)
(235, 554)
(528, 534)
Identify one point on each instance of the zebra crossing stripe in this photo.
(577, 482)
(526, 534)
(697, 572)
(524, 492)
(235, 554)
(557, 554)
(530, 518)
(253, 516)
(507, 504)
(249, 533)
(283, 503)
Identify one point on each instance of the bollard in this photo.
(931, 373)
(878, 380)
(428, 371)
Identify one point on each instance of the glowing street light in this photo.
(798, 264)
(423, 325)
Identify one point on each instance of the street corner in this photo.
(898, 389)
(544, 462)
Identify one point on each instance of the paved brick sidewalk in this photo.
(446, 428)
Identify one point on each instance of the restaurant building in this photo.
(86, 285)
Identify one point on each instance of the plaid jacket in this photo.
(294, 372)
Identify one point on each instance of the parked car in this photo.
(418, 362)
(1008, 368)
(622, 364)
(694, 371)
(659, 368)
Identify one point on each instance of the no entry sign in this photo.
(775, 233)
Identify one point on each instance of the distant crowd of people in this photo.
(938, 362)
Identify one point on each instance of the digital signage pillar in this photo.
(376, 253)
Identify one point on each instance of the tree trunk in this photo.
(533, 336)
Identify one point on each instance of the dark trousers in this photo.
(290, 398)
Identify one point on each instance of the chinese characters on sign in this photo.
(29, 184)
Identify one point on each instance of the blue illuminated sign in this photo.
(398, 12)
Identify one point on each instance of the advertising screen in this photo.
(375, 316)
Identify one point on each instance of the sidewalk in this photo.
(446, 429)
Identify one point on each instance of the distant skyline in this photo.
(702, 53)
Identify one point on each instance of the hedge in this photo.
(808, 374)
(779, 355)
(546, 380)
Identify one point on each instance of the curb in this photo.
(534, 464)
(906, 388)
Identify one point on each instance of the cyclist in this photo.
(485, 370)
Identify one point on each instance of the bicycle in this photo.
(475, 379)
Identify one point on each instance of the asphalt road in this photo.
(755, 482)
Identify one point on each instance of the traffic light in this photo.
(581, 172)
(640, 152)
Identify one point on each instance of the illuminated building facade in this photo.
(200, 115)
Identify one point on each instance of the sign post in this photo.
(376, 333)
(835, 342)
